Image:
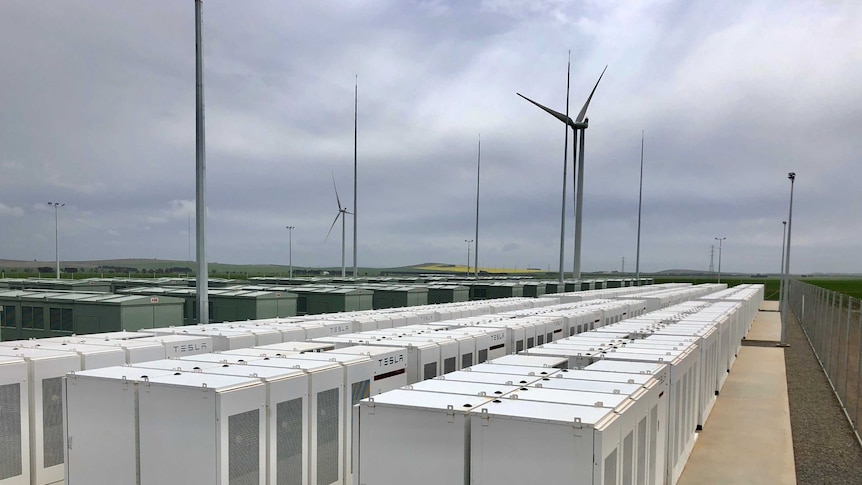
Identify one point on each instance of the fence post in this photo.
(858, 369)
(847, 351)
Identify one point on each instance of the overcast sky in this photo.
(97, 110)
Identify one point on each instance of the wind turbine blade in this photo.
(333, 225)
(556, 114)
(583, 113)
(336, 192)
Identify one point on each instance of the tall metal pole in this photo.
(290, 250)
(478, 174)
(565, 172)
(355, 172)
(640, 201)
(343, 242)
(719, 239)
(468, 241)
(579, 211)
(203, 272)
(56, 206)
(792, 177)
(781, 278)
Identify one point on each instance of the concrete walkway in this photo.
(747, 438)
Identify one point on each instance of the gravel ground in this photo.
(825, 449)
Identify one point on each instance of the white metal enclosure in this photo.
(326, 408)
(202, 428)
(504, 434)
(286, 419)
(413, 437)
(101, 416)
(45, 372)
(14, 422)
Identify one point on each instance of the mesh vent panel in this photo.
(327, 437)
(52, 421)
(628, 459)
(288, 439)
(449, 365)
(430, 370)
(519, 345)
(611, 469)
(653, 439)
(359, 390)
(244, 448)
(466, 360)
(640, 475)
(483, 355)
(10, 431)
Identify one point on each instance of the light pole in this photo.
(468, 241)
(719, 239)
(786, 276)
(781, 281)
(202, 283)
(290, 250)
(640, 200)
(56, 206)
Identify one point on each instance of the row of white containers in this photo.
(325, 406)
(35, 451)
(627, 412)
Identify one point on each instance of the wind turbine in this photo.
(580, 124)
(342, 211)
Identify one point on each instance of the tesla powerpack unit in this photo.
(101, 414)
(45, 372)
(202, 428)
(416, 437)
(15, 419)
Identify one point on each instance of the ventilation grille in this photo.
(359, 390)
(449, 365)
(52, 421)
(327, 437)
(466, 360)
(519, 345)
(289, 442)
(430, 370)
(244, 448)
(483, 355)
(628, 458)
(611, 469)
(10, 431)
(640, 475)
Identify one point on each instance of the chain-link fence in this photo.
(832, 322)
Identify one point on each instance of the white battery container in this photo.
(490, 377)
(424, 357)
(101, 415)
(340, 342)
(15, 422)
(514, 369)
(180, 345)
(45, 372)
(202, 428)
(286, 419)
(92, 356)
(177, 365)
(325, 424)
(531, 361)
(449, 349)
(297, 347)
(221, 358)
(482, 389)
(577, 356)
(262, 336)
(415, 437)
(579, 444)
(135, 350)
(391, 364)
(120, 335)
(222, 340)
